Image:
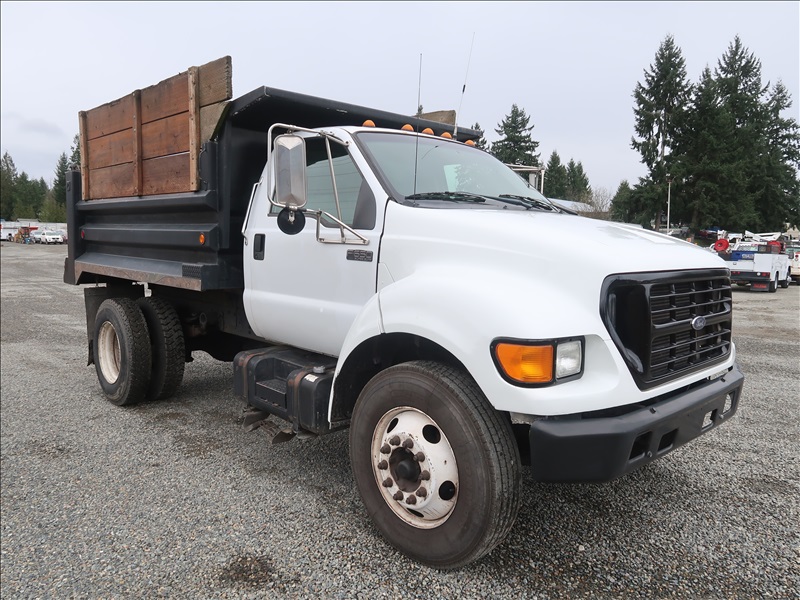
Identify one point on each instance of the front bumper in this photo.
(587, 448)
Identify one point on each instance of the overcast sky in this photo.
(572, 66)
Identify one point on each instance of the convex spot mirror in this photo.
(290, 171)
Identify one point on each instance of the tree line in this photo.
(719, 151)
(24, 198)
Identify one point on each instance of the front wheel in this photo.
(436, 465)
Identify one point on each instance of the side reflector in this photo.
(526, 364)
(202, 239)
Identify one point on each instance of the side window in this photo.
(320, 185)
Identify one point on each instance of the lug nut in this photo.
(408, 443)
(422, 492)
(383, 465)
(395, 441)
(425, 475)
(419, 457)
(411, 500)
(388, 482)
(386, 449)
(398, 495)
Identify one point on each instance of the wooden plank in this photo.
(137, 142)
(112, 182)
(110, 150)
(209, 119)
(84, 140)
(109, 118)
(166, 175)
(166, 98)
(165, 137)
(216, 81)
(194, 129)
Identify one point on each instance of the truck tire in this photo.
(436, 465)
(773, 285)
(166, 347)
(785, 283)
(122, 354)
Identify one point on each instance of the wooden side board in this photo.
(149, 142)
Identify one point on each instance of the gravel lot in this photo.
(174, 499)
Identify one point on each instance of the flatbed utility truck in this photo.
(365, 269)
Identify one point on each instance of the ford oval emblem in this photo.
(698, 323)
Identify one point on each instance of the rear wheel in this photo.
(166, 346)
(122, 355)
(773, 285)
(435, 463)
(785, 283)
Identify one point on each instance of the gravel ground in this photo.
(173, 499)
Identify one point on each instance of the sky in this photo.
(571, 66)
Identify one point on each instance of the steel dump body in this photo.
(191, 238)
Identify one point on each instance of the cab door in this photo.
(305, 292)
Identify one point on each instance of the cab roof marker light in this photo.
(368, 123)
(407, 127)
(447, 135)
(469, 143)
(428, 131)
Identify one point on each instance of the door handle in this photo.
(258, 247)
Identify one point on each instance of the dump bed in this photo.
(166, 175)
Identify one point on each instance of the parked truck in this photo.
(757, 261)
(366, 269)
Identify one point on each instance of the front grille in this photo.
(669, 324)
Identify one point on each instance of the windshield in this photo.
(446, 171)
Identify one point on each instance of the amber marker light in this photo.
(447, 135)
(469, 143)
(407, 127)
(202, 239)
(428, 130)
(369, 123)
(525, 364)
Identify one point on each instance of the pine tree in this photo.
(75, 152)
(8, 180)
(60, 181)
(621, 204)
(660, 103)
(481, 141)
(555, 181)
(578, 189)
(516, 145)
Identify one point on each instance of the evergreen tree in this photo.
(75, 152)
(29, 196)
(60, 181)
(578, 189)
(621, 204)
(660, 102)
(8, 180)
(481, 141)
(555, 181)
(516, 145)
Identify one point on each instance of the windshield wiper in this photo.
(449, 196)
(528, 202)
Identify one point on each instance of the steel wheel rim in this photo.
(415, 467)
(108, 352)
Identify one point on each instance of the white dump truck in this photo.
(371, 270)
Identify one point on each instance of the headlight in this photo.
(538, 362)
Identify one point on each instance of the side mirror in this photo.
(290, 171)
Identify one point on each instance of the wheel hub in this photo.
(415, 467)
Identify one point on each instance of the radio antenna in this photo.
(464, 87)
(419, 103)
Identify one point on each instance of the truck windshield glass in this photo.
(446, 171)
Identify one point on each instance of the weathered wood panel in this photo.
(111, 150)
(165, 137)
(154, 133)
(166, 175)
(112, 182)
(109, 118)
